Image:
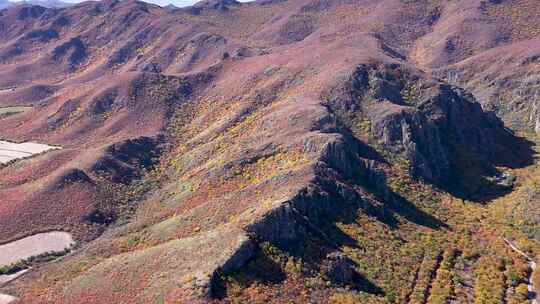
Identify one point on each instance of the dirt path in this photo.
(532, 266)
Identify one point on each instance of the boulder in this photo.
(338, 268)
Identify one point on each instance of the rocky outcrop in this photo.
(510, 86)
(433, 127)
(535, 116)
(338, 268)
(220, 5)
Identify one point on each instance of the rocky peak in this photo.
(220, 5)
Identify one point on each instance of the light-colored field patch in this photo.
(34, 245)
(13, 110)
(5, 299)
(42, 243)
(12, 151)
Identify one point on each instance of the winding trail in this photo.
(532, 266)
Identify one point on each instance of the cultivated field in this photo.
(6, 111)
(4, 299)
(12, 151)
(34, 245)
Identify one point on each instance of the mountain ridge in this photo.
(44, 3)
(276, 150)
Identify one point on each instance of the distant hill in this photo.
(44, 3)
(48, 3)
(170, 7)
(5, 4)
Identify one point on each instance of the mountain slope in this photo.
(43, 3)
(274, 150)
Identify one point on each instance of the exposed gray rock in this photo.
(338, 268)
(535, 116)
(428, 124)
(220, 5)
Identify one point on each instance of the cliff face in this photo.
(504, 80)
(236, 150)
(432, 126)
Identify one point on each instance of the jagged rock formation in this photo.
(431, 124)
